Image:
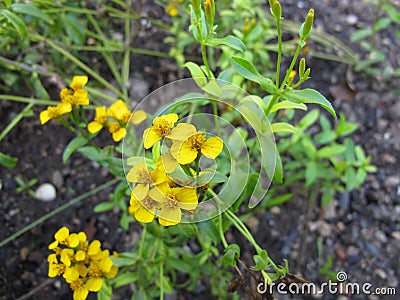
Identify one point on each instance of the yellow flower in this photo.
(117, 132)
(54, 111)
(185, 149)
(75, 95)
(119, 111)
(171, 201)
(80, 290)
(99, 121)
(159, 129)
(144, 210)
(171, 10)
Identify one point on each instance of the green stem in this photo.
(15, 121)
(142, 239)
(58, 210)
(221, 232)
(205, 60)
(278, 63)
(28, 100)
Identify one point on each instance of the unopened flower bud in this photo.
(305, 30)
(197, 7)
(209, 7)
(277, 10)
(302, 67)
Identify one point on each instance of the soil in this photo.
(359, 230)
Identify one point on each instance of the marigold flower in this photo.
(75, 95)
(54, 112)
(119, 111)
(185, 151)
(159, 129)
(99, 121)
(171, 201)
(84, 266)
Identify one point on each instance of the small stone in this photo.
(23, 253)
(46, 192)
(396, 235)
(380, 236)
(57, 179)
(351, 19)
(340, 252)
(381, 274)
(276, 210)
(392, 180)
(57, 284)
(389, 158)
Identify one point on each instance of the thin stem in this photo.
(221, 232)
(205, 60)
(15, 121)
(278, 63)
(142, 241)
(28, 100)
(58, 210)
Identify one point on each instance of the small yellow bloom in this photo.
(171, 10)
(119, 111)
(80, 290)
(185, 151)
(138, 117)
(99, 121)
(75, 95)
(171, 201)
(143, 211)
(117, 132)
(159, 129)
(54, 112)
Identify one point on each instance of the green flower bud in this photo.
(209, 7)
(306, 74)
(196, 4)
(302, 67)
(277, 10)
(305, 30)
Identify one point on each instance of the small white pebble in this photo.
(46, 192)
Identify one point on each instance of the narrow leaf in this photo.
(72, 146)
(18, 24)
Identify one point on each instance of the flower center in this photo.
(149, 203)
(197, 140)
(171, 201)
(77, 284)
(95, 271)
(162, 127)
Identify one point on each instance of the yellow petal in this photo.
(118, 110)
(141, 191)
(81, 293)
(169, 118)
(169, 163)
(80, 255)
(113, 272)
(53, 245)
(94, 247)
(135, 174)
(94, 127)
(158, 175)
(62, 234)
(150, 137)
(170, 216)
(73, 240)
(138, 117)
(159, 192)
(63, 108)
(78, 82)
(212, 147)
(144, 215)
(44, 117)
(119, 134)
(186, 153)
(81, 97)
(94, 284)
(187, 197)
(181, 132)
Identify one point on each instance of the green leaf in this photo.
(104, 206)
(278, 174)
(8, 161)
(230, 41)
(330, 151)
(325, 137)
(283, 127)
(74, 29)
(287, 105)
(278, 200)
(91, 152)
(18, 24)
(309, 96)
(72, 146)
(246, 68)
(231, 253)
(31, 10)
(197, 73)
(208, 231)
(381, 24)
(309, 119)
(360, 34)
(125, 279)
(311, 173)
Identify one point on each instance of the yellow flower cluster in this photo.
(155, 194)
(172, 9)
(120, 114)
(83, 265)
(74, 95)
